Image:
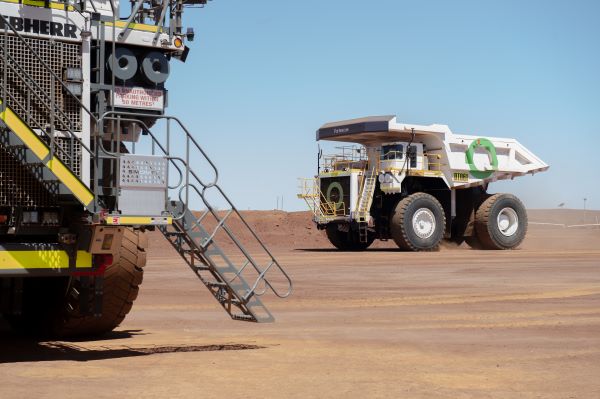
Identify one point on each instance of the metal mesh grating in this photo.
(58, 56)
(70, 154)
(18, 186)
(68, 150)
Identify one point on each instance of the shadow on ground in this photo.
(18, 349)
(338, 250)
(444, 246)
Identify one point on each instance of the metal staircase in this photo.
(226, 279)
(364, 203)
(236, 273)
(237, 279)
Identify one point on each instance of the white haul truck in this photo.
(416, 185)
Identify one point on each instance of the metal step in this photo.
(363, 232)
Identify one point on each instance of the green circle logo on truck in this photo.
(491, 150)
(335, 194)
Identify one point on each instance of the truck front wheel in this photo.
(418, 223)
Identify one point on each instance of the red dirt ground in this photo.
(457, 323)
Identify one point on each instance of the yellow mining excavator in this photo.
(90, 161)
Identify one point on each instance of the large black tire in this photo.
(121, 286)
(501, 222)
(478, 197)
(467, 202)
(408, 212)
(347, 241)
(41, 297)
(51, 305)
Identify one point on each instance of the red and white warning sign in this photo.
(139, 97)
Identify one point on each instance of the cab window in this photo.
(390, 152)
(412, 156)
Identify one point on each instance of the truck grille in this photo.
(23, 100)
(337, 190)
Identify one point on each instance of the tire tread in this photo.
(121, 287)
(402, 239)
(483, 228)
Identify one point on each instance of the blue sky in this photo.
(262, 76)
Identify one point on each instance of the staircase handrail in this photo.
(187, 185)
(373, 171)
(249, 257)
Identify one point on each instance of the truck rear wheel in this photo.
(347, 240)
(418, 223)
(121, 286)
(501, 222)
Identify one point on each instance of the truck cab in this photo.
(400, 155)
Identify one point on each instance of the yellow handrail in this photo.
(323, 210)
(432, 165)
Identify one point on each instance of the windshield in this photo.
(394, 151)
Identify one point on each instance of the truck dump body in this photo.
(481, 158)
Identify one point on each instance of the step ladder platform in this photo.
(136, 220)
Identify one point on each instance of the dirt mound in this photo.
(277, 229)
(295, 230)
(563, 216)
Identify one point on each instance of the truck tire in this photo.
(51, 306)
(467, 202)
(418, 223)
(121, 286)
(501, 222)
(347, 241)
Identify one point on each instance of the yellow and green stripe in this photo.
(41, 3)
(134, 26)
(41, 259)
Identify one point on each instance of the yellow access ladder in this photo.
(365, 201)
